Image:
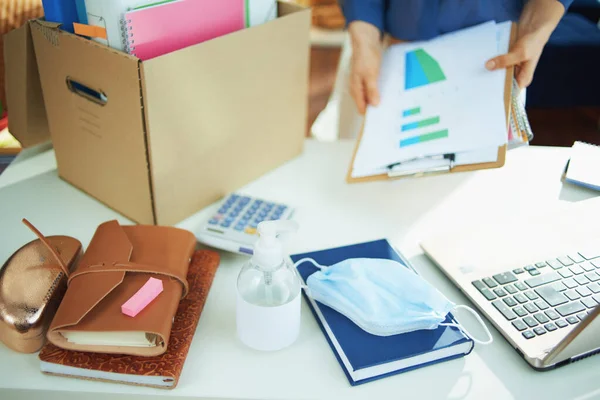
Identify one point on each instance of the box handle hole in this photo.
(96, 96)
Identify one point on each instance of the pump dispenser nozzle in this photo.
(268, 251)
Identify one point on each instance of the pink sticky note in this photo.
(143, 297)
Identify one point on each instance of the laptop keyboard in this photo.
(547, 295)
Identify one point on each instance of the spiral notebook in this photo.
(164, 28)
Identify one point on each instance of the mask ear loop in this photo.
(463, 330)
(313, 262)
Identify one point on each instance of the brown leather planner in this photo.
(161, 371)
(117, 263)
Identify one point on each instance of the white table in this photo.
(330, 213)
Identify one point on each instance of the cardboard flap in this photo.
(28, 122)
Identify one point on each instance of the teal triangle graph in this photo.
(422, 69)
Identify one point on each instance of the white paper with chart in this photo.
(436, 98)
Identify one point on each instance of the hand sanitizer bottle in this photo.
(268, 293)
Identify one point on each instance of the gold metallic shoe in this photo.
(32, 284)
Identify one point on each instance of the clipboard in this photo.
(508, 92)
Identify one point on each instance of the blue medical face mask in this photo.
(382, 297)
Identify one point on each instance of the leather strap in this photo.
(51, 248)
(130, 267)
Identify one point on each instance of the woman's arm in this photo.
(365, 21)
(538, 20)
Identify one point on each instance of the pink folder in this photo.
(168, 27)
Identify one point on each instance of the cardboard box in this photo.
(159, 140)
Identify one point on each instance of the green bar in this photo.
(421, 124)
(412, 111)
(247, 13)
(424, 138)
(152, 5)
(430, 66)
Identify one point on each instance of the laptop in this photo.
(536, 279)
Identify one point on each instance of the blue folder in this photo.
(365, 357)
(61, 11)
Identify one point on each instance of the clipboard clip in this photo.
(422, 165)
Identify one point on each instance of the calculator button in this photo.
(488, 295)
(507, 312)
(541, 304)
(251, 231)
(530, 307)
(539, 331)
(553, 315)
(565, 273)
(528, 335)
(520, 325)
(576, 270)
(531, 295)
(226, 224)
(561, 323)
(582, 316)
(530, 321)
(555, 264)
(589, 302)
(505, 278)
(576, 257)
(521, 286)
(511, 289)
(542, 319)
(240, 227)
(582, 280)
(584, 291)
(590, 253)
(245, 200)
(594, 287)
(571, 308)
(520, 311)
(593, 276)
(588, 266)
(253, 225)
(490, 282)
(213, 221)
(510, 301)
(223, 210)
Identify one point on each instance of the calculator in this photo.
(234, 226)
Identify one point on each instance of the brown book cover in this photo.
(161, 371)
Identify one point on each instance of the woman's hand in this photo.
(365, 64)
(538, 21)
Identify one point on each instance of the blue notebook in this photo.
(365, 357)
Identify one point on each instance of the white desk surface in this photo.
(330, 213)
